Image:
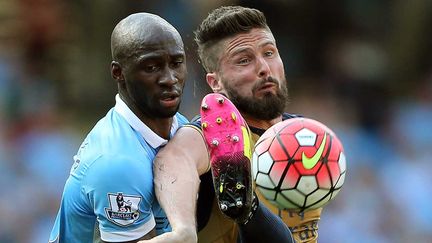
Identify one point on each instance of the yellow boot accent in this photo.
(247, 143)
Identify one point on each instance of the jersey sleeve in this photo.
(181, 119)
(195, 123)
(120, 191)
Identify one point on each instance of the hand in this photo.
(183, 235)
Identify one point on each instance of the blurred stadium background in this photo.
(362, 67)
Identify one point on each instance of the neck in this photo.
(161, 126)
(259, 123)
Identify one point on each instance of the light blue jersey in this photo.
(109, 194)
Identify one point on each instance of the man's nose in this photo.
(169, 77)
(263, 68)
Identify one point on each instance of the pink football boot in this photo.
(228, 140)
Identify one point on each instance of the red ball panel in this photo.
(289, 142)
(277, 171)
(336, 148)
(277, 152)
(316, 126)
(263, 145)
(291, 126)
(334, 171)
(291, 178)
(323, 178)
(278, 127)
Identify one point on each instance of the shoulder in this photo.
(286, 116)
(113, 134)
(114, 169)
(121, 163)
(195, 123)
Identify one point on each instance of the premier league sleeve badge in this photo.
(124, 209)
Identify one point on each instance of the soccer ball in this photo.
(299, 164)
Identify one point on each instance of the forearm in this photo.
(176, 184)
(172, 237)
(176, 172)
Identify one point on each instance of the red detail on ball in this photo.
(278, 152)
(277, 170)
(323, 178)
(289, 142)
(263, 146)
(291, 178)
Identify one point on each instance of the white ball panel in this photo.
(322, 203)
(306, 137)
(285, 204)
(316, 196)
(295, 196)
(254, 165)
(342, 162)
(307, 184)
(264, 181)
(340, 181)
(269, 194)
(265, 162)
(335, 192)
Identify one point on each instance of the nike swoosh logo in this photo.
(309, 163)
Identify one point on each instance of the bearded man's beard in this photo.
(267, 107)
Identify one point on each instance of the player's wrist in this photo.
(186, 234)
(177, 235)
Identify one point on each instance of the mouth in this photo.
(169, 99)
(267, 87)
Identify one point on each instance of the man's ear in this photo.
(214, 82)
(117, 71)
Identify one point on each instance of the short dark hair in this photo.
(223, 22)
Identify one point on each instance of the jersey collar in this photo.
(151, 137)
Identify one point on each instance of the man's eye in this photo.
(244, 61)
(177, 63)
(151, 68)
(269, 53)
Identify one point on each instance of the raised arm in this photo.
(176, 180)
